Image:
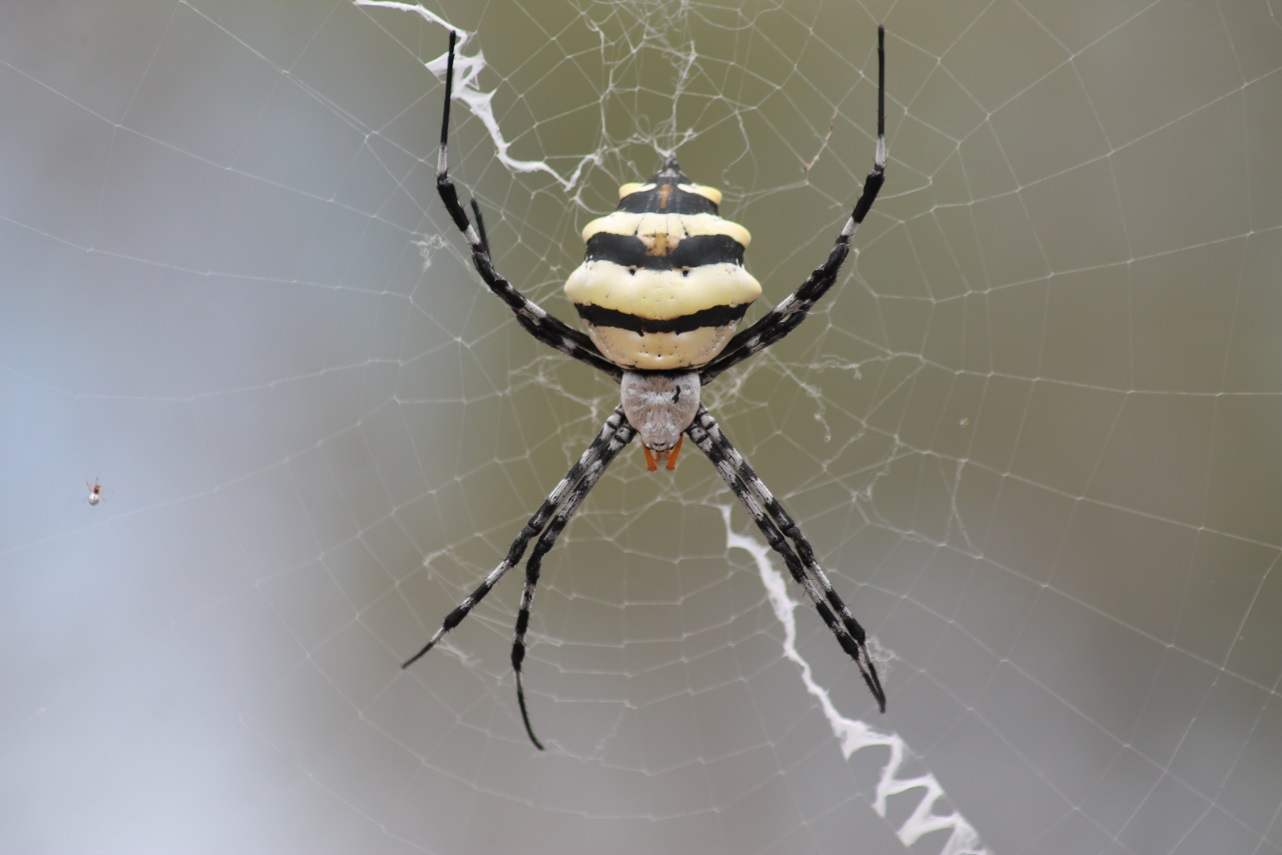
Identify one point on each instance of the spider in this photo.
(660, 291)
(95, 492)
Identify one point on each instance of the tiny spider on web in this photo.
(95, 492)
(660, 291)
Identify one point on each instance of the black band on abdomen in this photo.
(717, 316)
(692, 251)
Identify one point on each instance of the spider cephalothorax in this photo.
(660, 406)
(660, 290)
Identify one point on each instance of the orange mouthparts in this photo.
(654, 458)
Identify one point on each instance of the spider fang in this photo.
(654, 458)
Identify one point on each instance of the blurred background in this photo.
(1032, 435)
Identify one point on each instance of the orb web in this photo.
(1031, 433)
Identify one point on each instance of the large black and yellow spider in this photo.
(660, 291)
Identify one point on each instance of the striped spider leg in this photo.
(799, 556)
(531, 316)
(546, 523)
(789, 314)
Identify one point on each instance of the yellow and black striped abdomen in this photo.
(663, 284)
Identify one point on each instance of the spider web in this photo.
(1032, 434)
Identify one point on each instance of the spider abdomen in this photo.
(663, 285)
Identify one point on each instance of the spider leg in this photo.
(789, 314)
(532, 317)
(480, 226)
(779, 528)
(622, 435)
(536, 524)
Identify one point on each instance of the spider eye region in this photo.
(662, 284)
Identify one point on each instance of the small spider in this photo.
(660, 291)
(95, 492)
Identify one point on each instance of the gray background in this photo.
(1033, 436)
